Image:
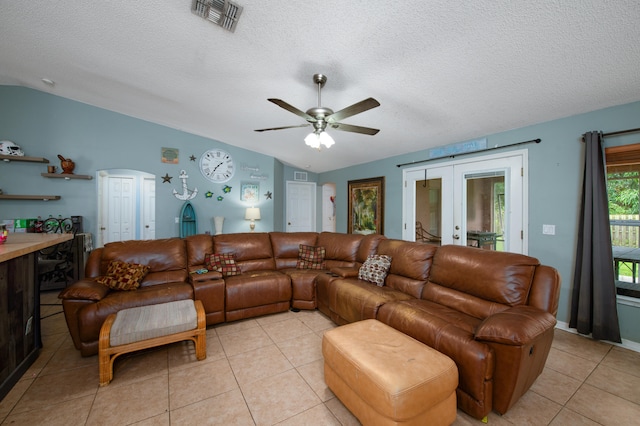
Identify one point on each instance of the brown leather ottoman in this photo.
(385, 377)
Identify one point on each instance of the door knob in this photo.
(456, 236)
(146, 226)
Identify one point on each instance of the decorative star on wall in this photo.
(268, 195)
(166, 178)
(192, 158)
(208, 194)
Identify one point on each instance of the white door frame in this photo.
(454, 186)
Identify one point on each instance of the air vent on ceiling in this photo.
(300, 176)
(220, 12)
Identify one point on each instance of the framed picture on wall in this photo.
(170, 155)
(366, 206)
(249, 192)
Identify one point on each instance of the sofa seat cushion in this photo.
(303, 286)
(93, 315)
(450, 332)
(256, 288)
(355, 300)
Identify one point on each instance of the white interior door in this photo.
(148, 213)
(301, 207)
(121, 202)
(479, 202)
(126, 206)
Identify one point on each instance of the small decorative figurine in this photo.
(67, 165)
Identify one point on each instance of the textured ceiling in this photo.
(443, 71)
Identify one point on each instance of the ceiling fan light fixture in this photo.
(326, 139)
(317, 139)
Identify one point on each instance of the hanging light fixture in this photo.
(318, 138)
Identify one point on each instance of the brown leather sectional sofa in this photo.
(492, 313)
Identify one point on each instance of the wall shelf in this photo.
(9, 158)
(65, 176)
(29, 197)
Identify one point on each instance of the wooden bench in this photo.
(149, 326)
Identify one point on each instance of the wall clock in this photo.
(217, 165)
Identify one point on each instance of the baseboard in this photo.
(627, 344)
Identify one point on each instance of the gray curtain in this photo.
(593, 306)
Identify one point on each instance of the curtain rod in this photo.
(622, 132)
(467, 153)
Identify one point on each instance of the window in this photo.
(623, 188)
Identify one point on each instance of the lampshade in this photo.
(314, 140)
(252, 213)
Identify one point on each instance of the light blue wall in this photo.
(555, 182)
(45, 126)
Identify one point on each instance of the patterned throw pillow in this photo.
(375, 269)
(310, 257)
(123, 276)
(224, 263)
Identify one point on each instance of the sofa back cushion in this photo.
(341, 249)
(368, 246)
(490, 276)
(166, 258)
(286, 245)
(252, 250)
(410, 265)
(198, 246)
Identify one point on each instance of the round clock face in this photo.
(217, 165)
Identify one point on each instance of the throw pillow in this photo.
(123, 276)
(224, 263)
(310, 257)
(375, 269)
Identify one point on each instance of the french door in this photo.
(478, 202)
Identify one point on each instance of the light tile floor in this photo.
(268, 370)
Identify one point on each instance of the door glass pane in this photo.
(428, 211)
(486, 210)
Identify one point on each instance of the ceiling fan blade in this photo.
(291, 108)
(281, 128)
(354, 109)
(355, 129)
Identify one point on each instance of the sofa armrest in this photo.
(515, 326)
(86, 289)
(345, 272)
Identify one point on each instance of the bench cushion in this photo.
(146, 322)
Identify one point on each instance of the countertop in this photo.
(19, 244)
